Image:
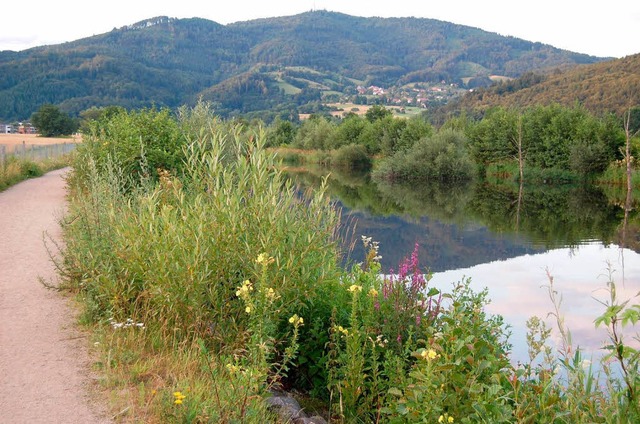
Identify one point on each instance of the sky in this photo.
(600, 28)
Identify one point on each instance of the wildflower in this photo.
(178, 397)
(445, 417)
(342, 330)
(381, 341)
(355, 288)
(233, 368)
(270, 294)
(428, 354)
(296, 320)
(373, 293)
(248, 309)
(264, 259)
(244, 290)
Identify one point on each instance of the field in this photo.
(362, 109)
(12, 141)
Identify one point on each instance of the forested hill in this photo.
(274, 63)
(611, 86)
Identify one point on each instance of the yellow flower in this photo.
(373, 293)
(271, 294)
(244, 289)
(264, 259)
(355, 288)
(342, 330)
(296, 320)
(248, 309)
(178, 398)
(233, 368)
(446, 417)
(429, 354)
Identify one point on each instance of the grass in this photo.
(15, 170)
(289, 88)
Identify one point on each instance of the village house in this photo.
(26, 128)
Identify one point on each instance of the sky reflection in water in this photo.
(517, 290)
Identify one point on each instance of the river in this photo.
(506, 238)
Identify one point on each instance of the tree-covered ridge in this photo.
(611, 86)
(170, 62)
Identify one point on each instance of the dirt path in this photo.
(44, 366)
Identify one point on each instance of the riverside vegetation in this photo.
(209, 282)
(14, 169)
(542, 144)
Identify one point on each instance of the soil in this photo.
(45, 372)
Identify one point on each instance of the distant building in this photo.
(6, 129)
(26, 128)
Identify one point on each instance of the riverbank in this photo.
(213, 281)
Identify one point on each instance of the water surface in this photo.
(506, 238)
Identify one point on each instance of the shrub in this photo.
(352, 156)
(137, 142)
(443, 157)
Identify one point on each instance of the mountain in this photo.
(611, 86)
(277, 63)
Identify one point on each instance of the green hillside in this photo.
(276, 63)
(611, 86)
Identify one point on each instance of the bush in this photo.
(352, 156)
(443, 157)
(138, 143)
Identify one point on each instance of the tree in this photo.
(377, 112)
(51, 122)
(280, 132)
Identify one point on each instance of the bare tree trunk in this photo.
(520, 152)
(627, 152)
(629, 199)
(519, 207)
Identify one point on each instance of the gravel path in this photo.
(44, 365)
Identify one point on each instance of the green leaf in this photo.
(433, 292)
(395, 392)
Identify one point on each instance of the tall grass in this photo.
(14, 170)
(172, 254)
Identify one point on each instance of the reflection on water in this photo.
(517, 288)
(503, 237)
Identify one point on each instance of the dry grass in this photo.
(13, 140)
